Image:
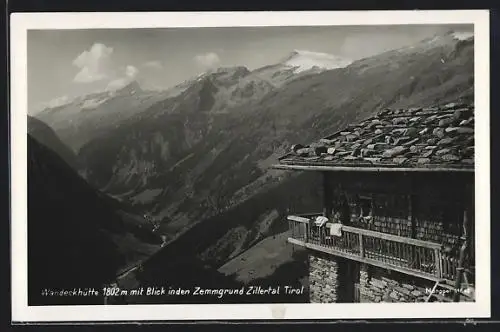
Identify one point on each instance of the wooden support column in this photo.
(461, 258)
(472, 227)
(411, 218)
(437, 263)
(464, 238)
(361, 246)
(411, 209)
(327, 195)
(411, 215)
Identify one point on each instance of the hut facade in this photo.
(398, 208)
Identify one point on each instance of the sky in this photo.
(63, 64)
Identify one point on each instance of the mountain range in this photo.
(196, 157)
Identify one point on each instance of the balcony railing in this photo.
(407, 255)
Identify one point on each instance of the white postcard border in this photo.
(22, 22)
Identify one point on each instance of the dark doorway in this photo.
(349, 281)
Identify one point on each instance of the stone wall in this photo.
(380, 285)
(323, 278)
(385, 287)
(328, 283)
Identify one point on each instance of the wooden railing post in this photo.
(439, 269)
(361, 246)
(306, 226)
(327, 195)
(396, 256)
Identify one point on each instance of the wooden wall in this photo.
(426, 206)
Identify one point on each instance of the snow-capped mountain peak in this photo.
(303, 60)
(463, 35)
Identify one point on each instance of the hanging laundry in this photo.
(336, 229)
(320, 221)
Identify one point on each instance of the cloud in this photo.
(153, 65)
(94, 64)
(208, 60)
(131, 71)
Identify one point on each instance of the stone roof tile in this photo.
(440, 136)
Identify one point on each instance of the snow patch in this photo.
(303, 60)
(92, 103)
(433, 39)
(464, 35)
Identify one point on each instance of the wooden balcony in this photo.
(406, 255)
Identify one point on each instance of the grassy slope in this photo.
(261, 260)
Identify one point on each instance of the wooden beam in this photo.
(333, 168)
(411, 208)
(327, 195)
(438, 262)
(390, 237)
(432, 291)
(422, 113)
(365, 260)
(298, 219)
(361, 246)
(411, 215)
(463, 251)
(379, 235)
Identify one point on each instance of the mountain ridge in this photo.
(84, 118)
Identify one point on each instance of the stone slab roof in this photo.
(416, 138)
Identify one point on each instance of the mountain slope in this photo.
(46, 136)
(87, 117)
(76, 236)
(82, 119)
(156, 140)
(259, 260)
